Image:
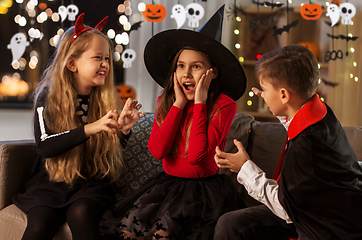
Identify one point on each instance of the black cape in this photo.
(320, 185)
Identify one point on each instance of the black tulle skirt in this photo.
(188, 208)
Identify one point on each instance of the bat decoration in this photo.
(268, 4)
(347, 38)
(332, 84)
(135, 26)
(286, 28)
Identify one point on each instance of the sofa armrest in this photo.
(17, 162)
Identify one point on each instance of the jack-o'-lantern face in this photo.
(154, 12)
(125, 92)
(311, 11)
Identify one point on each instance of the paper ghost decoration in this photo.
(18, 44)
(194, 12)
(62, 11)
(333, 13)
(72, 12)
(347, 12)
(179, 14)
(128, 56)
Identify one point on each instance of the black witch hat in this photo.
(161, 49)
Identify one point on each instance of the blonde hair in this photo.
(101, 155)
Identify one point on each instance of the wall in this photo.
(16, 124)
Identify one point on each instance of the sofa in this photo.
(262, 140)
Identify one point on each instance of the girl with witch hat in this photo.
(80, 136)
(201, 80)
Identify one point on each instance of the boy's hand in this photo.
(130, 115)
(233, 161)
(107, 123)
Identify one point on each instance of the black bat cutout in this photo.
(268, 4)
(332, 84)
(330, 24)
(287, 27)
(135, 26)
(347, 38)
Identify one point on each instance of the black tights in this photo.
(82, 215)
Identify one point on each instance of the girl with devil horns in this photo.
(78, 130)
(201, 80)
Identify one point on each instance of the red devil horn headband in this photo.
(79, 27)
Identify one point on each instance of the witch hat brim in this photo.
(162, 47)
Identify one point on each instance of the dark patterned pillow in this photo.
(140, 165)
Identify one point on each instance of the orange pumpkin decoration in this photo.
(312, 47)
(42, 6)
(311, 11)
(154, 12)
(125, 92)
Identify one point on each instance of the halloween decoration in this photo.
(154, 12)
(328, 83)
(194, 13)
(125, 92)
(234, 10)
(18, 44)
(333, 14)
(347, 38)
(287, 27)
(333, 55)
(71, 12)
(268, 4)
(311, 11)
(337, 2)
(312, 47)
(128, 56)
(347, 12)
(42, 6)
(179, 14)
(258, 21)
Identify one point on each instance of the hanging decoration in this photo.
(128, 56)
(347, 12)
(258, 21)
(179, 14)
(333, 13)
(287, 27)
(234, 11)
(18, 44)
(194, 13)
(154, 12)
(311, 11)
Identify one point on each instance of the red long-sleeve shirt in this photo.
(199, 161)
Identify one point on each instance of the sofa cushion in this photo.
(140, 165)
(13, 223)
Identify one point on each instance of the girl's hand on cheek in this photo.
(203, 87)
(180, 101)
(108, 123)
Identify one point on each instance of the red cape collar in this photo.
(312, 112)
